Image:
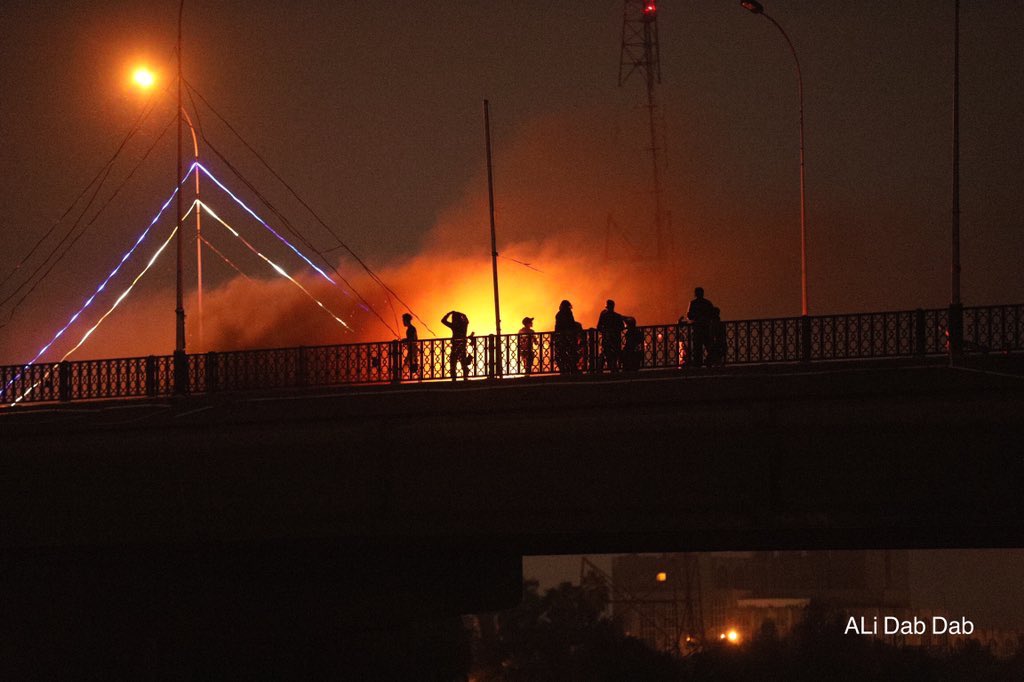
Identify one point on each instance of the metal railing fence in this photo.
(893, 334)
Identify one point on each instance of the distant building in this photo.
(683, 598)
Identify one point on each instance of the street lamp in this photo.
(757, 8)
(146, 79)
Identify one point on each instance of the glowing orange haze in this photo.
(556, 189)
(273, 314)
(556, 186)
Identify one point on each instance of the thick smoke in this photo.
(574, 221)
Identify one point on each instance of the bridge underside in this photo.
(422, 499)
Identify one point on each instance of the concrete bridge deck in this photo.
(858, 454)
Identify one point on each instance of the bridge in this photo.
(273, 492)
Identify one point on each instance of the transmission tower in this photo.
(639, 54)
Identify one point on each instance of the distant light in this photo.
(661, 577)
(650, 8)
(732, 636)
(143, 77)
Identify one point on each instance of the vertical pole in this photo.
(180, 361)
(955, 272)
(494, 242)
(199, 233)
(803, 211)
(652, 105)
(956, 324)
(199, 242)
(803, 201)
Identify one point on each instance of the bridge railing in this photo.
(893, 334)
(997, 328)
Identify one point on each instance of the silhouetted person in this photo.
(610, 324)
(527, 345)
(580, 352)
(411, 345)
(565, 339)
(632, 352)
(699, 314)
(458, 323)
(716, 338)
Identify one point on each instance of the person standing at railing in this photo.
(632, 353)
(716, 339)
(458, 323)
(610, 324)
(527, 345)
(566, 352)
(411, 345)
(699, 314)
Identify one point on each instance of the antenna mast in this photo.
(640, 54)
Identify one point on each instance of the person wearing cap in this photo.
(527, 344)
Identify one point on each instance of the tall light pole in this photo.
(956, 319)
(494, 240)
(199, 235)
(179, 344)
(146, 79)
(757, 8)
(180, 359)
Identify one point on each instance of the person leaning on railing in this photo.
(527, 343)
(632, 353)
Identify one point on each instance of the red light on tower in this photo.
(650, 9)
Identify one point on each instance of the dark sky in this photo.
(372, 111)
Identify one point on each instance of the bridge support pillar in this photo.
(180, 373)
(151, 380)
(212, 372)
(805, 338)
(64, 381)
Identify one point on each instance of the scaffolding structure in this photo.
(667, 614)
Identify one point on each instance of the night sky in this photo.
(373, 113)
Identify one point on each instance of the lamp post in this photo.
(180, 359)
(146, 79)
(956, 310)
(757, 8)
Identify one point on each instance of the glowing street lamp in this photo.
(757, 8)
(146, 79)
